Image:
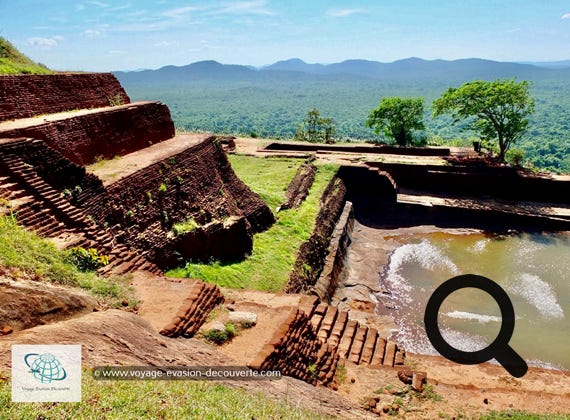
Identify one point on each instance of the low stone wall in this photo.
(202, 299)
(296, 351)
(334, 263)
(23, 96)
(300, 185)
(312, 253)
(362, 148)
(115, 131)
(500, 182)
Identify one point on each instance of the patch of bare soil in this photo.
(272, 311)
(25, 304)
(159, 297)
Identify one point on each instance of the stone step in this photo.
(389, 354)
(357, 344)
(338, 328)
(327, 323)
(379, 349)
(347, 337)
(369, 345)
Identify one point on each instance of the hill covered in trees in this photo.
(13, 61)
(271, 101)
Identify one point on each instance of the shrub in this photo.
(188, 225)
(86, 259)
(221, 336)
(515, 157)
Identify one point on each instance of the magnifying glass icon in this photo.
(499, 349)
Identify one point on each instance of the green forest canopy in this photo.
(272, 109)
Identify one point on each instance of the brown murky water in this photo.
(534, 270)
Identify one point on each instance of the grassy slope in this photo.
(274, 250)
(24, 254)
(13, 61)
(161, 400)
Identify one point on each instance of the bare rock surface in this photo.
(25, 304)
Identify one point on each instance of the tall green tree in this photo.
(397, 118)
(498, 110)
(315, 128)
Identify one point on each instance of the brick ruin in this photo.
(98, 134)
(190, 205)
(25, 96)
(201, 300)
(132, 220)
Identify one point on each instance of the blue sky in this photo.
(103, 35)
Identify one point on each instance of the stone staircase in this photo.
(354, 342)
(203, 298)
(41, 208)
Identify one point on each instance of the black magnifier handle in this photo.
(511, 361)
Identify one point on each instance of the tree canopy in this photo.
(498, 110)
(397, 118)
(315, 128)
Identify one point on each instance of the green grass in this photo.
(27, 255)
(153, 400)
(188, 225)
(274, 250)
(13, 61)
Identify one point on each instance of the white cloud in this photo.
(344, 12)
(254, 7)
(566, 16)
(180, 12)
(44, 42)
(163, 44)
(92, 33)
(97, 3)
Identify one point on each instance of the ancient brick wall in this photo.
(23, 96)
(300, 185)
(197, 187)
(335, 261)
(115, 131)
(312, 253)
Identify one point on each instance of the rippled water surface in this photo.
(534, 270)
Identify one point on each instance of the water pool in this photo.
(534, 269)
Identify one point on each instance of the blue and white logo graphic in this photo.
(46, 373)
(45, 367)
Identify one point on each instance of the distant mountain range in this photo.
(416, 69)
